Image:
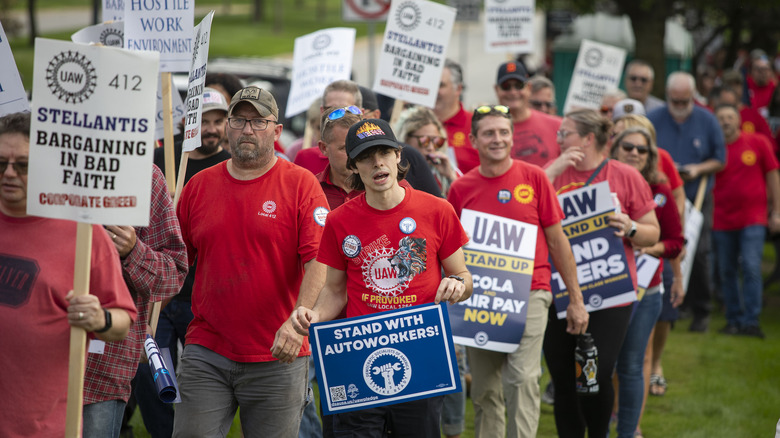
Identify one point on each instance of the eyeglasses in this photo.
(638, 79)
(680, 102)
(341, 112)
(539, 104)
(508, 85)
(425, 140)
(562, 133)
(19, 166)
(640, 148)
(256, 124)
(484, 109)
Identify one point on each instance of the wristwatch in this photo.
(632, 231)
(455, 277)
(108, 322)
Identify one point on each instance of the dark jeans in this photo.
(171, 328)
(418, 418)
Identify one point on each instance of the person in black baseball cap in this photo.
(372, 142)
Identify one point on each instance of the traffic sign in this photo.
(365, 10)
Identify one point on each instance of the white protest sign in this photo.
(319, 58)
(693, 222)
(200, 57)
(646, 265)
(413, 51)
(177, 110)
(13, 98)
(92, 133)
(113, 10)
(509, 26)
(597, 70)
(108, 34)
(164, 26)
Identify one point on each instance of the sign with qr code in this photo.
(384, 358)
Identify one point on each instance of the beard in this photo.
(248, 150)
(681, 113)
(209, 144)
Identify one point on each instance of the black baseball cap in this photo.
(511, 70)
(369, 133)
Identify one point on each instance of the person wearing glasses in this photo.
(254, 222)
(419, 128)
(542, 95)
(635, 146)
(638, 81)
(533, 201)
(37, 305)
(583, 137)
(692, 136)
(388, 219)
(534, 132)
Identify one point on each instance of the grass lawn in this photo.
(719, 386)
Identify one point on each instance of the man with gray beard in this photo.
(254, 223)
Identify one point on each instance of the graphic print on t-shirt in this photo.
(388, 272)
(17, 276)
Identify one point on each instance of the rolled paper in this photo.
(163, 381)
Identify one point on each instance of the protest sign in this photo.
(177, 112)
(602, 265)
(108, 34)
(694, 219)
(162, 26)
(113, 10)
(500, 258)
(646, 265)
(200, 57)
(319, 58)
(92, 133)
(13, 98)
(384, 358)
(413, 51)
(597, 70)
(509, 26)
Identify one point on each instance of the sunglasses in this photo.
(539, 104)
(19, 166)
(425, 140)
(639, 79)
(640, 149)
(341, 112)
(508, 85)
(484, 109)
(679, 102)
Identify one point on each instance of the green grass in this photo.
(719, 386)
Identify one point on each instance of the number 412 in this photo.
(125, 82)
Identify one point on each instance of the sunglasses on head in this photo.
(508, 85)
(340, 112)
(19, 166)
(484, 109)
(640, 149)
(425, 140)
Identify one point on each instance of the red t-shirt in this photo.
(523, 193)
(458, 128)
(535, 140)
(739, 195)
(392, 258)
(251, 239)
(752, 122)
(671, 228)
(760, 96)
(633, 192)
(312, 159)
(667, 167)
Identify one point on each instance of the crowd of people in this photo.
(267, 240)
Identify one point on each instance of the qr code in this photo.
(338, 393)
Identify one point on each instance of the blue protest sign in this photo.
(384, 358)
(603, 271)
(500, 258)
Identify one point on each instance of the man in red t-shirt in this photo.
(761, 84)
(534, 139)
(254, 223)
(516, 190)
(386, 250)
(456, 120)
(740, 218)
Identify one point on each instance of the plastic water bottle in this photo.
(586, 358)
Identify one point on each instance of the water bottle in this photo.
(586, 358)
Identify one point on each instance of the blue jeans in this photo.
(741, 249)
(271, 395)
(103, 419)
(171, 328)
(310, 422)
(631, 361)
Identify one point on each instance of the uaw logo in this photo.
(595, 301)
(112, 37)
(387, 371)
(369, 130)
(71, 77)
(524, 193)
(593, 57)
(196, 45)
(321, 42)
(269, 208)
(408, 16)
(748, 158)
(389, 273)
